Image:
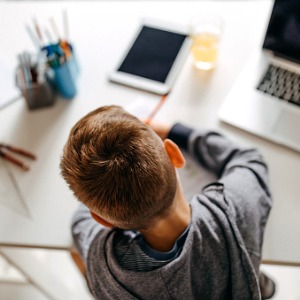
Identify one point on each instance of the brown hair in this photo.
(118, 167)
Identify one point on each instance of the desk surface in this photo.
(100, 32)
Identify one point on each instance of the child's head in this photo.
(118, 167)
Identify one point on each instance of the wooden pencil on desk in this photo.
(13, 160)
(156, 109)
(18, 150)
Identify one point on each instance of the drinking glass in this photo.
(206, 32)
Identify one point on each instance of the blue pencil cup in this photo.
(65, 78)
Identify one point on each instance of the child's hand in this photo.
(161, 129)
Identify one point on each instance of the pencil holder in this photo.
(65, 78)
(36, 95)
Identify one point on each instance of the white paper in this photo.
(142, 108)
(194, 177)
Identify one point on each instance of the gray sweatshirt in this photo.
(217, 257)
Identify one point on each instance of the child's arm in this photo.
(215, 152)
(84, 229)
(243, 175)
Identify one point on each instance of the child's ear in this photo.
(101, 221)
(174, 154)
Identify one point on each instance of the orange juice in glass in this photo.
(205, 32)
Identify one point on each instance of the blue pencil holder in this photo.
(65, 78)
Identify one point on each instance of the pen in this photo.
(156, 109)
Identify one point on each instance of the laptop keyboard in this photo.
(281, 83)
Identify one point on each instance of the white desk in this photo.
(100, 32)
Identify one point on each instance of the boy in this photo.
(135, 230)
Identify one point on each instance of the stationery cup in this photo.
(36, 95)
(65, 78)
(205, 31)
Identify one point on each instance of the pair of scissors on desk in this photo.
(4, 153)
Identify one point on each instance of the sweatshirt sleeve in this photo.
(218, 154)
(84, 229)
(243, 174)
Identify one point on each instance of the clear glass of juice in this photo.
(206, 32)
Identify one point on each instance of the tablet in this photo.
(154, 58)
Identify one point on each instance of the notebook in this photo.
(265, 100)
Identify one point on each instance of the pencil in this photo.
(19, 151)
(66, 25)
(156, 109)
(13, 160)
(49, 37)
(38, 30)
(54, 28)
(25, 67)
(33, 37)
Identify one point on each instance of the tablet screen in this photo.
(153, 54)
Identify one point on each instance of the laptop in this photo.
(265, 100)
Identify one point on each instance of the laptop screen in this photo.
(283, 33)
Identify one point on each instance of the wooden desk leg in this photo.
(80, 265)
(78, 261)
